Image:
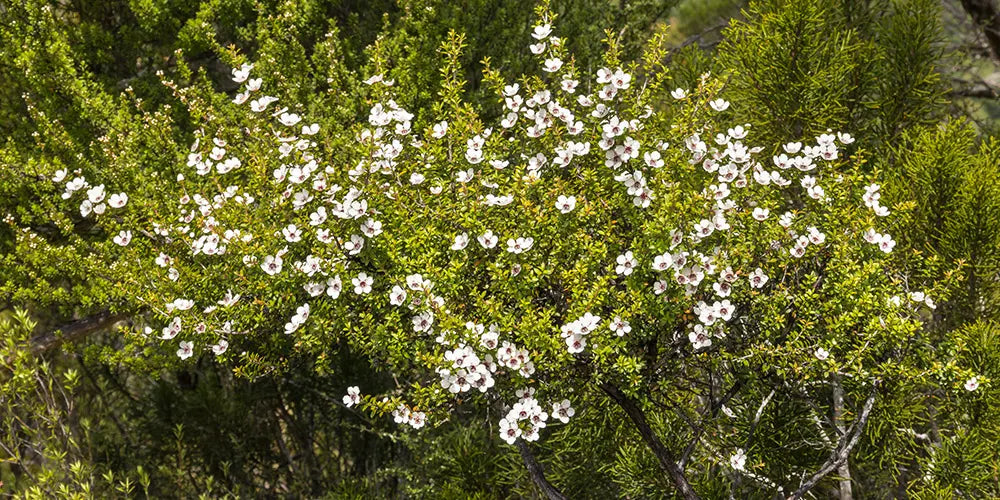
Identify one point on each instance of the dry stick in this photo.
(538, 473)
(843, 450)
(665, 457)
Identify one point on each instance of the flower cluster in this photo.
(575, 333)
(595, 214)
(526, 417)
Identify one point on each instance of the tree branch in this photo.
(844, 470)
(986, 16)
(843, 450)
(74, 331)
(667, 462)
(538, 473)
(979, 91)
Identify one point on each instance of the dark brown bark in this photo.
(74, 331)
(986, 16)
(537, 473)
(980, 91)
(665, 457)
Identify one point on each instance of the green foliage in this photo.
(116, 91)
(955, 212)
(801, 67)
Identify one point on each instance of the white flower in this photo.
(822, 354)
(761, 213)
(259, 105)
(719, 105)
(240, 75)
(300, 317)
(292, 234)
(186, 350)
(355, 244)
(566, 204)
(757, 278)
(620, 326)
(785, 220)
(353, 396)
(509, 431)
(314, 289)
(461, 241)
(652, 159)
(678, 93)
(180, 305)
(423, 321)
(163, 260)
(170, 331)
(792, 147)
(519, 245)
(271, 265)
(220, 348)
(972, 384)
(488, 240)
(626, 263)
(738, 460)
(417, 282)
(96, 194)
(362, 284)
(371, 227)
(310, 129)
(397, 296)
(722, 289)
(663, 261)
(541, 32)
(700, 337)
(440, 129)
(563, 411)
(886, 243)
(620, 79)
(118, 200)
(123, 238)
(333, 287)
(704, 228)
(289, 119)
(553, 64)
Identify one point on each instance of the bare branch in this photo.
(986, 16)
(74, 331)
(537, 473)
(843, 450)
(667, 462)
(979, 91)
(844, 470)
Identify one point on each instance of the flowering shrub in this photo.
(605, 234)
